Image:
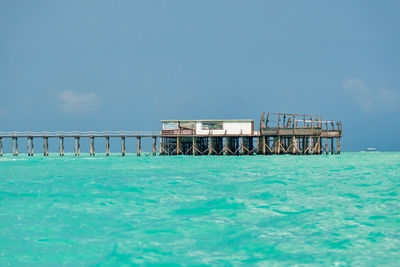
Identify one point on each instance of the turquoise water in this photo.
(261, 210)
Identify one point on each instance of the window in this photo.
(188, 125)
(170, 125)
(211, 125)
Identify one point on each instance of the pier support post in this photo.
(15, 146)
(294, 145)
(77, 146)
(139, 146)
(92, 151)
(310, 148)
(332, 151)
(161, 146)
(226, 145)
(123, 146)
(178, 145)
(326, 146)
(193, 146)
(263, 144)
(242, 145)
(45, 146)
(1, 146)
(278, 150)
(338, 145)
(154, 145)
(107, 146)
(210, 145)
(61, 146)
(29, 146)
(319, 145)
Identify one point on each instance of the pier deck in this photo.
(279, 134)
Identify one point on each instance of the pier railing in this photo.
(79, 133)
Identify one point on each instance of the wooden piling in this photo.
(77, 146)
(15, 146)
(154, 145)
(123, 146)
(1, 146)
(263, 145)
(294, 145)
(92, 149)
(338, 145)
(61, 146)
(139, 146)
(226, 145)
(210, 145)
(29, 146)
(178, 145)
(107, 146)
(193, 146)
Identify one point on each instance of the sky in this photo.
(125, 65)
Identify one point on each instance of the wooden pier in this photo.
(278, 134)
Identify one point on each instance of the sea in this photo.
(327, 210)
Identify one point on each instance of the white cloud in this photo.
(73, 102)
(370, 99)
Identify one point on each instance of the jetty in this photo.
(278, 133)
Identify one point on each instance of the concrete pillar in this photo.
(139, 146)
(107, 146)
(123, 146)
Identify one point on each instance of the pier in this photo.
(279, 133)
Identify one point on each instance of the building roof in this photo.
(219, 120)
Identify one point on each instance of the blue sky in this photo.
(97, 65)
